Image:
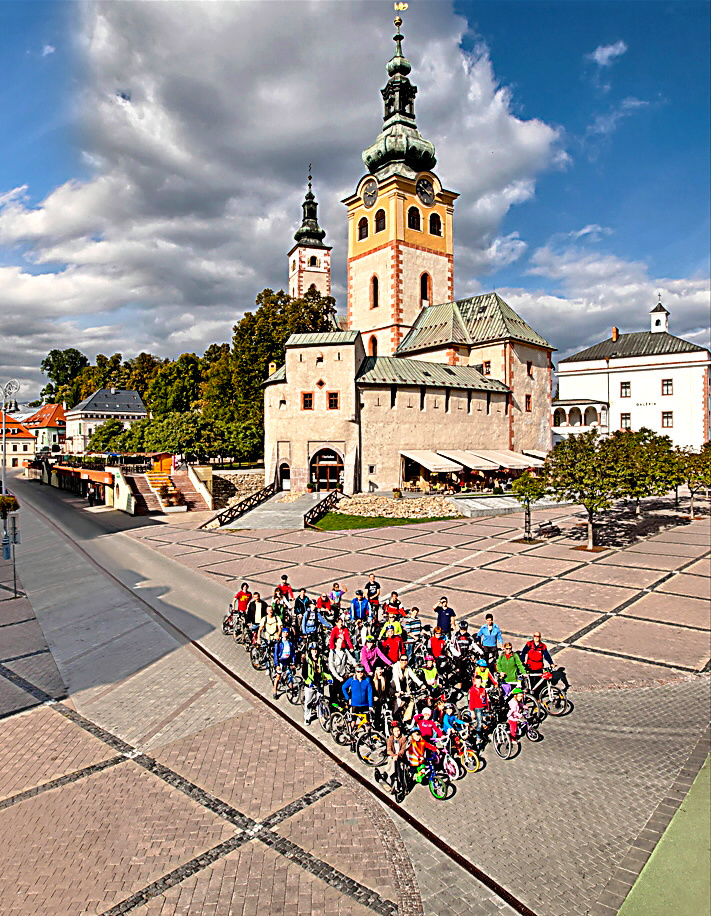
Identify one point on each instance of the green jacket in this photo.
(510, 667)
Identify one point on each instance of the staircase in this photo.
(145, 499)
(193, 499)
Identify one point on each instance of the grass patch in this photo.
(337, 521)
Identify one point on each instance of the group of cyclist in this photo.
(374, 661)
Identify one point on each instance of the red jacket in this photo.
(436, 646)
(340, 631)
(393, 648)
(478, 698)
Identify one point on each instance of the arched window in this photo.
(374, 292)
(413, 219)
(426, 288)
(380, 221)
(559, 417)
(373, 346)
(435, 224)
(313, 261)
(363, 227)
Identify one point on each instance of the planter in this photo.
(168, 509)
(397, 494)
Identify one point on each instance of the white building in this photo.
(644, 379)
(104, 404)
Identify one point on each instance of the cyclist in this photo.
(358, 691)
(413, 629)
(391, 621)
(335, 597)
(450, 720)
(241, 600)
(510, 665)
(269, 629)
(286, 590)
(479, 700)
(515, 714)
(394, 606)
(393, 773)
(360, 606)
(256, 609)
(311, 619)
(370, 655)
(313, 674)
(302, 603)
(429, 673)
(437, 643)
(392, 645)
(417, 749)
(426, 725)
(283, 656)
(535, 655)
(372, 593)
(380, 691)
(323, 603)
(404, 682)
(445, 615)
(340, 630)
(340, 661)
(489, 638)
(482, 671)
(280, 604)
(461, 645)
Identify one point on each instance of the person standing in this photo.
(490, 639)
(312, 672)
(445, 616)
(91, 494)
(413, 629)
(372, 593)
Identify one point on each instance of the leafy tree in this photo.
(62, 368)
(105, 437)
(259, 339)
(217, 392)
(580, 469)
(643, 462)
(528, 489)
(176, 386)
(140, 371)
(695, 471)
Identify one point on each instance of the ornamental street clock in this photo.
(400, 240)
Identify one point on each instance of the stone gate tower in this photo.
(400, 239)
(309, 259)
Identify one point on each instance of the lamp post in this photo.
(9, 389)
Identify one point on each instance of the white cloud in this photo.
(604, 55)
(198, 123)
(47, 50)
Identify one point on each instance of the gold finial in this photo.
(399, 8)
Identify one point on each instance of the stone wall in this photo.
(229, 487)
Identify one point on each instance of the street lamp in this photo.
(9, 390)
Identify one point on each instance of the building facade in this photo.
(309, 259)
(646, 379)
(104, 404)
(412, 392)
(19, 442)
(49, 426)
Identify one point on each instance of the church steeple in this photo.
(400, 148)
(309, 259)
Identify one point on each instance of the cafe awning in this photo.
(535, 453)
(504, 458)
(435, 463)
(470, 460)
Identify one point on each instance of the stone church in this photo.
(414, 389)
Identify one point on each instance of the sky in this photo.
(154, 159)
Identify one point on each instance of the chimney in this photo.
(615, 334)
(272, 368)
(113, 390)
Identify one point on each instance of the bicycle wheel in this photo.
(339, 729)
(258, 657)
(371, 748)
(532, 733)
(554, 701)
(502, 742)
(470, 760)
(323, 712)
(451, 767)
(227, 626)
(439, 787)
(295, 691)
(532, 708)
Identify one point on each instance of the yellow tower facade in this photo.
(400, 224)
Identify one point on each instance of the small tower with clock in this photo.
(400, 239)
(309, 259)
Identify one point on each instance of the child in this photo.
(478, 702)
(515, 713)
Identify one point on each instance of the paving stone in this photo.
(588, 595)
(361, 563)
(631, 577)
(490, 582)
(671, 608)
(644, 560)
(20, 638)
(642, 640)
(180, 549)
(533, 566)
(689, 585)
(671, 548)
(235, 567)
(555, 623)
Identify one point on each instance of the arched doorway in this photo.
(326, 469)
(284, 476)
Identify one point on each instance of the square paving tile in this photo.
(350, 541)
(647, 640)
(532, 566)
(700, 568)
(592, 669)
(178, 550)
(501, 545)
(408, 550)
(671, 548)
(489, 582)
(20, 638)
(588, 596)
(671, 609)
(484, 530)
(457, 556)
(198, 558)
(300, 555)
(560, 551)
(445, 539)
(13, 699)
(213, 541)
(305, 536)
(396, 533)
(42, 745)
(15, 609)
(411, 570)
(632, 577)
(252, 567)
(697, 535)
(364, 563)
(306, 577)
(644, 560)
(689, 585)
(425, 597)
(555, 623)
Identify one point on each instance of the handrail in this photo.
(225, 516)
(321, 508)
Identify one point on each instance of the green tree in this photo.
(106, 437)
(176, 386)
(259, 339)
(62, 368)
(140, 371)
(579, 469)
(528, 489)
(218, 398)
(643, 463)
(695, 471)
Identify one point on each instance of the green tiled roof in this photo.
(322, 339)
(639, 343)
(393, 370)
(278, 376)
(476, 320)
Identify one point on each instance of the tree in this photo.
(695, 471)
(259, 339)
(217, 391)
(105, 437)
(176, 386)
(528, 489)
(580, 469)
(61, 367)
(643, 462)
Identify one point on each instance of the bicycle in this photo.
(229, 621)
(320, 705)
(292, 684)
(372, 748)
(346, 725)
(552, 699)
(439, 785)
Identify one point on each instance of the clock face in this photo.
(425, 191)
(370, 192)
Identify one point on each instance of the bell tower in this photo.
(309, 259)
(400, 232)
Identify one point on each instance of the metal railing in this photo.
(323, 507)
(225, 516)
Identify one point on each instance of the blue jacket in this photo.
(360, 608)
(490, 640)
(311, 619)
(450, 721)
(358, 693)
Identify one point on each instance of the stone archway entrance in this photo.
(284, 476)
(326, 469)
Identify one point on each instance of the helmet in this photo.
(481, 662)
(515, 691)
(426, 711)
(429, 658)
(370, 638)
(359, 591)
(390, 627)
(464, 625)
(449, 705)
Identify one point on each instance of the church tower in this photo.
(309, 259)
(400, 239)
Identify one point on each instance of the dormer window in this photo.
(363, 228)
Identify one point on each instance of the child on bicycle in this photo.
(283, 656)
(515, 714)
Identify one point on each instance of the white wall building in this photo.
(104, 404)
(643, 379)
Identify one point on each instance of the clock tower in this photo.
(309, 259)
(400, 240)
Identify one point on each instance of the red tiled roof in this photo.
(51, 415)
(14, 429)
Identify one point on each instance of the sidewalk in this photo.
(677, 877)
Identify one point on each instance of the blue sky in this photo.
(577, 133)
